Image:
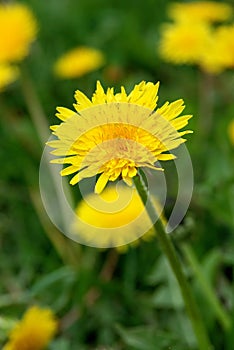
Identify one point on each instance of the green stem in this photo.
(169, 251)
(211, 297)
(34, 107)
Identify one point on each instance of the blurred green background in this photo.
(107, 300)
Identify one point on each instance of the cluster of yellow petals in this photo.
(78, 62)
(193, 39)
(194, 11)
(115, 134)
(117, 207)
(220, 53)
(36, 329)
(18, 29)
(143, 94)
(183, 43)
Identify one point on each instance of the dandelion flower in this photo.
(115, 134)
(183, 43)
(224, 39)
(212, 60)
(34, 331)
(78, 62)
(220, 53)
(231, 131)
(208, 11)
(115, 208)
(8, 74)
(18, 29)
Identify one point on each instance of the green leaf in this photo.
(168, 295)
(147, 338)
(63, 274)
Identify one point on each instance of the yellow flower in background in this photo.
(231, 131)
(115, 134)
(220, 54)
(183, 43)
(116, 207)
(224, 39)
(208, 11)
(192, 39)
(18, 29)
(34, 332)
(78, 62)
(8, 74)
(212, 60)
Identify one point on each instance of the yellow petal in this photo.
(101, 183)
(168, 156)
(64, 113)
(69, 170)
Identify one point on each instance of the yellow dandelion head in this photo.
(231, 131)
(34, 331)
(220, 53)
(18, 29)
(78, 62)
(212, 60)
(115, 134)
(208, 11)
(103, 219)
(224, 39)
(183, 43)
(8, 74)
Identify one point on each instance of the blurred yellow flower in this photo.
(115, 134)
(220, 53)
(211, 60)
(18, 29)
(225, 36)
(183, 43)
(116, 207)
(8, 74)
(34, 332)
(231, 131)
(78, 62)
(209, 11)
